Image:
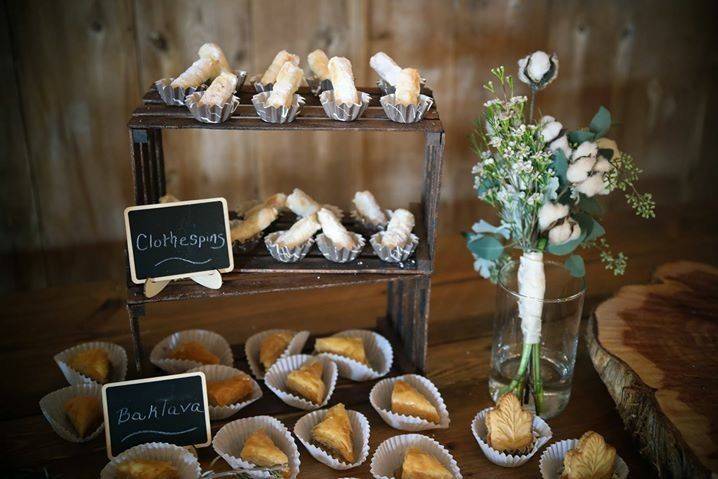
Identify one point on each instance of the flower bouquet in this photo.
(544, 181)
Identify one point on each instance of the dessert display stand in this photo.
(255, 271)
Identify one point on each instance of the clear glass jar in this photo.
(562, 306)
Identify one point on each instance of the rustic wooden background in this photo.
(72, 72)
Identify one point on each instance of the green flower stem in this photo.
(537, 381)
(518, 379)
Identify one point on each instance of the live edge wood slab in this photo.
(656, 348)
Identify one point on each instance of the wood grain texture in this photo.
(654, 346)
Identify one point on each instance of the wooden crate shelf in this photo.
(408, 284)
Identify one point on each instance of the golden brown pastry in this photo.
(509, 425)
(194, 351)
(335, 433)
(420, 465)
(272, 347)
(147, 469)
(259, 449)
(93, 363)
(228, 391)
(592, 458)
(407, 400)
(407, 87)
(352, 348)
(307, 381)
(84, 414)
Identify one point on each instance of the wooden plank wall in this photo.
(73, 71)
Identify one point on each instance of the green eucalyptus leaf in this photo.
(566, 248)
(486, 247)
(575, 266)
(590, 205)
(559, 164)
(596, 231)
(601, 122)
(579, 136)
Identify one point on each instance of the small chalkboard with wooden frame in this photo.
(169, 409)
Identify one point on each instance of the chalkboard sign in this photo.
(177, 240)
(166, 409)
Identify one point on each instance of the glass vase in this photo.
(561, 309)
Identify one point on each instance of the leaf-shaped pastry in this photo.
(509, 425)
(592, 458)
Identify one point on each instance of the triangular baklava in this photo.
(407, 400)
(146, 469)
(352, 348)
(272, 347)
(335, 433)
(307, 381)
(194, 351)
(228, 391)
(420, 465)
(259, 449)
(84, 414)
(93, 363)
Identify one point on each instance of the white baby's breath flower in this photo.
(550, 213)
(538, 69)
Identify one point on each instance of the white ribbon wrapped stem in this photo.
(532, 288)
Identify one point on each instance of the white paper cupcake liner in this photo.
(389, 456)
(365, 225)
(551, 463)
(378, 352)
(271, 114)
(541, 432)
(276, 380)
(210, 113)
(229, 440)
(175, 96)
(360, 435)
(393, 255)
(284, 254)
(186, 464)
(215, 372)
(254, 343)
(405, 113)
(380, 400)
(53, 408)
(318, 87)
(343, 112)
(214, 343)
(388, 89)
(340, 255)
(116, 353)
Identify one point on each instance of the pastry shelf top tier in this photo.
(155, 114)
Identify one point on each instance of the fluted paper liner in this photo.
(380, 400)
(116, 353)
(541, 433)
(393, 255)
(389, 456)
(340, 255)
(285, 254)
(276, 380)
(239, 247)
(365, 225)
(176, 96)
(210, 113)
(186, 464)
(388, 88)
(254, 343)
(53, 408)
(551, 463)
(214, 372)
(229, 440)
(405, 113)
(214, 343)
(271, 114)
(360, 437)
(378, 352)
(318, 87)
(343, 112)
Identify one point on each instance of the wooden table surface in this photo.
(36, 325)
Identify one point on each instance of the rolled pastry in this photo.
(302, 204)
(242, 230)
(385, 67)
(334, 230)
(318, 62)
(340, 73)
(299, 233)
(221, 90)
(288, 80)
(407, 87)
(366, 205)
(277, 200)
(279, 60)
(210, 64)
(399, 229)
